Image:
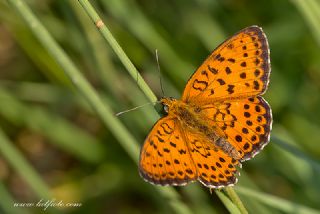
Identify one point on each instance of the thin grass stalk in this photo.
(22, 167)
(130, 67)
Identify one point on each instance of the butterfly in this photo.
(220, 121)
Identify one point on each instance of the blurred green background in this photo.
(54, 145)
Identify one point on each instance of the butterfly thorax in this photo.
(192, 119)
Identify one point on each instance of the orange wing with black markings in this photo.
(215, 168)
(171, 156)
(245, 124)
(164, 157)
(238, 68)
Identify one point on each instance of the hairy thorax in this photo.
(192, 118)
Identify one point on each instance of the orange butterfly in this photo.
(220, 121)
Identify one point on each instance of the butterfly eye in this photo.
(166, 108)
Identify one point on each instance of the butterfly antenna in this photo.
(132, 109)
(160, 76)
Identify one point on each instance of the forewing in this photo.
(238, 68)
(164, 157)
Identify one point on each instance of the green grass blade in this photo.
(235, 199)
(65, 135)
(25, 170)
(296, 152)
(118, 50)
(277, 202)
(143, 29)
(78, 80)
(310, 11)
(7, 202)
(228, 203)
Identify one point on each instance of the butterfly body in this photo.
(220, 121)
(194, 121)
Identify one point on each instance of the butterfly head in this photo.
(168, 103)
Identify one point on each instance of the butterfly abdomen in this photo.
(191, 118)
(227, 148)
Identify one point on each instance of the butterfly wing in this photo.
(164, 157)
(246, 123)
(214, 167)
(171, 156)
(238, 68)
